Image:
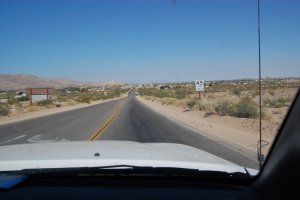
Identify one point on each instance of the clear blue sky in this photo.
(148, 41)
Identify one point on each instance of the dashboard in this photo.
(129, 188)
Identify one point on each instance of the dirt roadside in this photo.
(227, 129)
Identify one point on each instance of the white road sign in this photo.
(199, 84)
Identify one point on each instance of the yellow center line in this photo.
(108, 122)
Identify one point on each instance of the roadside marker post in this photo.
(199, 85)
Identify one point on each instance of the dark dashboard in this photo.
(130, 188)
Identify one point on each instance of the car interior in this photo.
(277, 178)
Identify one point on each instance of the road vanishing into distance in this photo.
(122, 119)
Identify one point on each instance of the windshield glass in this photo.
(164, 83)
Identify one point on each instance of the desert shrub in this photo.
(161, 94)
(191, 103)
(181, 94)
(115, 93)
(265, 115)
(12, 101)
(23, 98)
(167, 101)
(154, 92)
(244, 109)
(210, 96)
(276, 103)
(204, 106)
(200, 105)
(255, 93)
(271, 92)
(268, 103)
(247, 100)
(165, 93)
(224, 108)
(4, 109)
(64, 97)
(44, 103)
(236, 92)
(84, 99)
(179, 102)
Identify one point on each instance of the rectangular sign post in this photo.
(199, 85)
(39, 91)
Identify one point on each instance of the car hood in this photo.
(110, 153)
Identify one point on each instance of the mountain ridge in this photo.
(22, 81)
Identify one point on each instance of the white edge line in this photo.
(13, 139)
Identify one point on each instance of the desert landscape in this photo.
(227, 109)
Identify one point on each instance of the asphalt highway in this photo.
(122, 119)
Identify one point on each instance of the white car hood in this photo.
(82, 154)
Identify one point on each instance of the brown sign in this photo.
(39, 91)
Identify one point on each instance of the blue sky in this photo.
(148, 41)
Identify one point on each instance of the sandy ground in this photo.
(43, 112)
(238, 131)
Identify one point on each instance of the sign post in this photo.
(199, 85)
(39, 91)
(30, 96)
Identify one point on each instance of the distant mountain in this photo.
(21, 81)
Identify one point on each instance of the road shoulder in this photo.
(233, 138)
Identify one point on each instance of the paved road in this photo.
(133, 121)
(75, 125)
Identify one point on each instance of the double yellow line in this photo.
(100, 131)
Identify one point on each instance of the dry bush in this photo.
(32, 109)
(4, 109)
(191, 103)
(205, 106)
(245, 108)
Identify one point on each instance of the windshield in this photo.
(188, 84)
